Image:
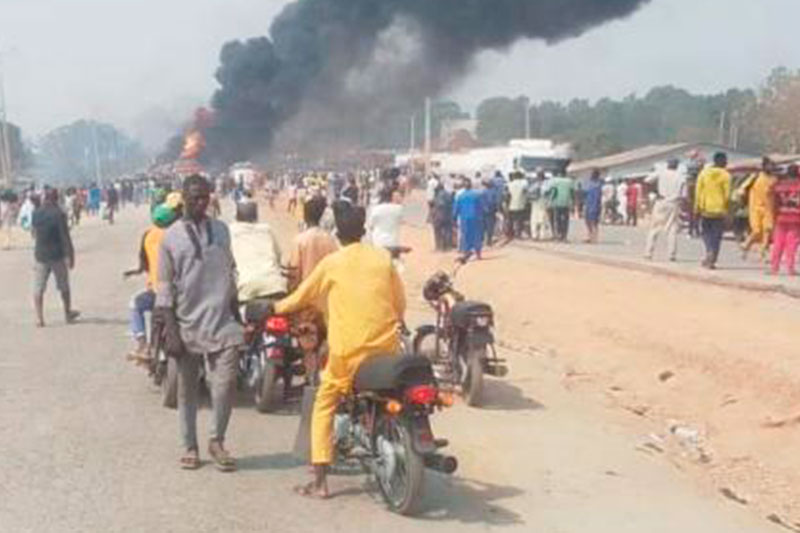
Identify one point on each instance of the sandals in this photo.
(222, 459)
(190, 461)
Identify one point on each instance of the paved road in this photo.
(87, 446)
(628, 243)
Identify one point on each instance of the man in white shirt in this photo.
(670, 186)
(257, 255)
(621, 204)
(517, 192)
(430, 194)
(384, 219)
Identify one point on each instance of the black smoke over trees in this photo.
(331, 68)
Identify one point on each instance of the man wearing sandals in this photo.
(196, 296)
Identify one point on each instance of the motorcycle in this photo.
(271, 354)
(385, 425)
(462, 339)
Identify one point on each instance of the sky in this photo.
(145, 64)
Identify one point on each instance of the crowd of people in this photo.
(470, 213)
(200, 269)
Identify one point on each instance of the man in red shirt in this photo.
(632, 211)
(787, 217)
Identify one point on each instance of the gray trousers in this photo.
(221, 370)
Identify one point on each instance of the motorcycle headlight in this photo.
(483, 321)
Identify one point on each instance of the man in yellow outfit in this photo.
(760, 206)
(712, 200)
(365, 305)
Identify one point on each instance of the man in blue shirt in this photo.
(468, 211)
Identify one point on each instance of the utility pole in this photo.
(413, 140)
(427, 138)
(97, 174)
(527, 103)
(722, 128)
(6, 163)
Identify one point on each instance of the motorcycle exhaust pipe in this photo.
(446, 464)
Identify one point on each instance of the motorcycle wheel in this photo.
(473, 384)
(265, 388)
(401, 487)
(169, 384)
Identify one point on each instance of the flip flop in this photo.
(190, 462)
(222, 460)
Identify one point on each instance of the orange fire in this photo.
(193, 145)
(195, 141)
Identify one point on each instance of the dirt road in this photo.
(88, 447)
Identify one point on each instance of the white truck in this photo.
(527, 155)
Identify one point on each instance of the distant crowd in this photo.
(758, 206)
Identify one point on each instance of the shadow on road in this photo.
(501, 395)
(99, 321)
(468, 502)
(273, 461)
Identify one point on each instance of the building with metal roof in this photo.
(642, 161)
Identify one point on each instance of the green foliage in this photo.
(776, 115)
(665, 115)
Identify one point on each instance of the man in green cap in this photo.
(143, 301)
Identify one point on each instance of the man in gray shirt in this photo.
(196, 296)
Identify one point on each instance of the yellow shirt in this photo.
(761, 192)
(151, 245)
(713, 192)
(365, 300)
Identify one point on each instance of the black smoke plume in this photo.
(330, 67)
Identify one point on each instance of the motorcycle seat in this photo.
(389, 372)
(463, 310)
(256, 310)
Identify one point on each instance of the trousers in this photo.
(141, 303)
(561, 216)
(221, 371)
(665, 218)
(713, 230)
(489, 224)
(336, 382)
(540, 224)
(443, 236)
(784, 246)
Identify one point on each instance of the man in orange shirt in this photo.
(310, 247)
(760, 207)
(163, 216)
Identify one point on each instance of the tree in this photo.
(664, 115)
(79, 152)
(501, 119)
(777, 112)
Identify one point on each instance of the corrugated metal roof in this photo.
(755, 162)
(631, 156)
